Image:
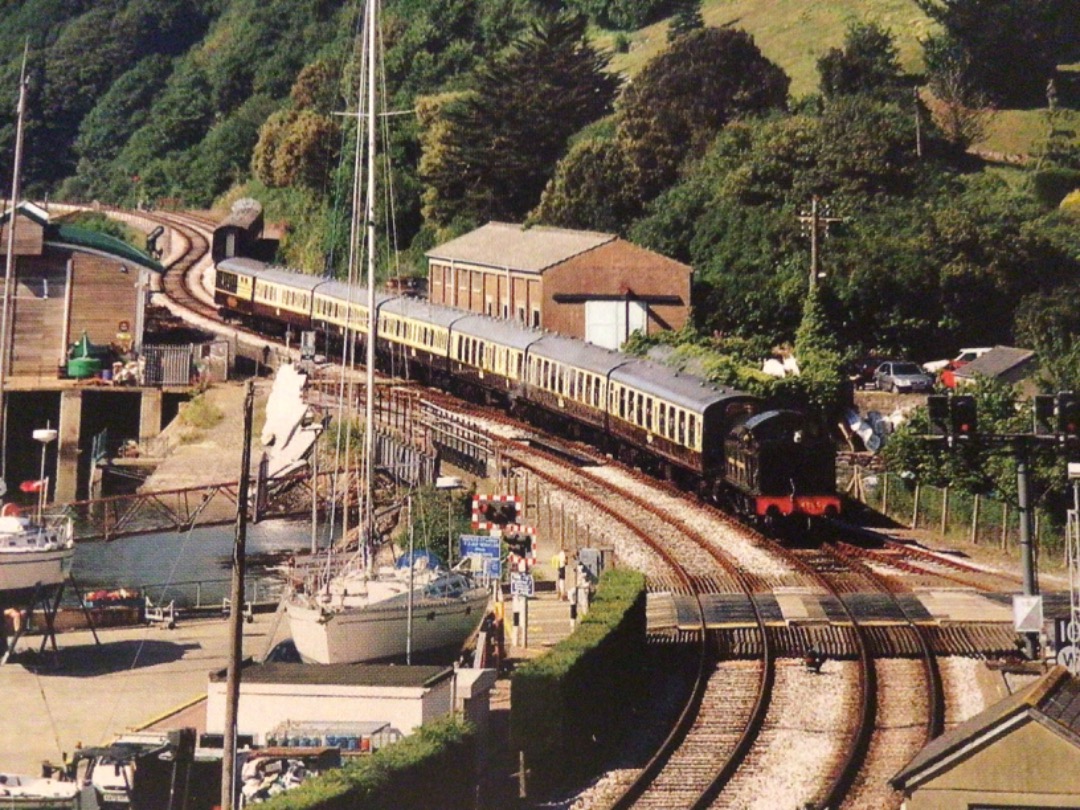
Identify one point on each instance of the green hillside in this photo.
(792, 33)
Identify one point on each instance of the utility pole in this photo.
(236, 614)
(918, 123)
(816, 224)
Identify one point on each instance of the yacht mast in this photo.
(9, 265)
(368, 534)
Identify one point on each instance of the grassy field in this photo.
(792, 33)
(795, 34)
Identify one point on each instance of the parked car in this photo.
(861, 371)
(902, 378)
(965, 357)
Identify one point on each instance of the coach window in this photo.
(682, 428)
(693, 432)
(661, 417)
(622, 402)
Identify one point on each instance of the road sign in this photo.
(522, 584)
(1027, 613)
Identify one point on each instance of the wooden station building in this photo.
(592, 286)
(67, 281)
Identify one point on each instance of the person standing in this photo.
(560, 583)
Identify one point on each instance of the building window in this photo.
(536, 318)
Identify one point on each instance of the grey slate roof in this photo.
(1053, 700)
(995, 362)
(341, 674)
(507, 245)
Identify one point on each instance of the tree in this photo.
(593, 189)
(682, 98)
(961, 110)
(687, 18)
(1010, 48)
(866, 65)
(494, 148)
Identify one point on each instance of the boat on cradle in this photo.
(33, 554)
(38, 793)
(358, 617)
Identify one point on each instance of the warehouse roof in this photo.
(515, 247)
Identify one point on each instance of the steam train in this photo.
(766, 464)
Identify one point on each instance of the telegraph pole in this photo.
(236, 615)
(816, 224)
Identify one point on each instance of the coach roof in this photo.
(417, 309)
(507, 333)
(506, 245)
(571, 352)
(672, 386)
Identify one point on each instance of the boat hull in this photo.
(377, 633)
(22, 571)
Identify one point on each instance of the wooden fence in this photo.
(952, 513)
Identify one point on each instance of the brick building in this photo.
(593, 286)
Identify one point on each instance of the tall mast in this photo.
(367, 535)
(9, 265)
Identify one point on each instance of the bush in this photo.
(432, 769)
(568, 708)
(1051, 186)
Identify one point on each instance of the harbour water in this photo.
(191, 567)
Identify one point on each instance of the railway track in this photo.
(755, 729)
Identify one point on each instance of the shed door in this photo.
(609, 323)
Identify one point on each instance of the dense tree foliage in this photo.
(679, 101)
(1007, 48)
(498, 143)
(867, 65)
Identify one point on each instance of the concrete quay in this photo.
(90, 694)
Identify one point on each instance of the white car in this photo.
(965, 357)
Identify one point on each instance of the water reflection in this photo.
(190, 566)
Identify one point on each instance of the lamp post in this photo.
(45, 435)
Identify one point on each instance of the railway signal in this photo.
(1067, 411)
(956, 416)
(963, 415)
(494, 511)
(1044, 406)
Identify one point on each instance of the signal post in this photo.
(1056, 422)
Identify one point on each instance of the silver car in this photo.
(902, 378)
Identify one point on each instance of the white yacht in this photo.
(358, 617)
(33, 554)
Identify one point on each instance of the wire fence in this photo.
(952, 513)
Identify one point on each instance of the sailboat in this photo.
(35, 554)
(361, 613)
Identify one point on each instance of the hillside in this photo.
(792, 33)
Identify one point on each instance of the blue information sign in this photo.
(478, 545)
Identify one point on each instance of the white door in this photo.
(606, 321)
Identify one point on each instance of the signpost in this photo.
(522, 584)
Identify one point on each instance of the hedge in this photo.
(569, 707)
(432, 769)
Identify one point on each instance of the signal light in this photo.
(962, 415)
(937, 409)
(1068, 414)
(1044, 406)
